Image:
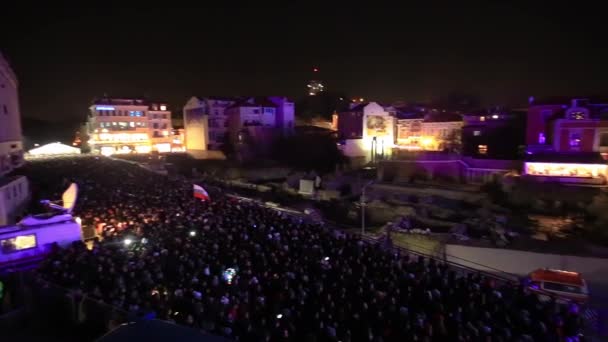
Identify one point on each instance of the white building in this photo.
(378, 129)
(207, 120)
(118, 125)
(14, 191)
(275, 114)
(211, 109)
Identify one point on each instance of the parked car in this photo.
(564, 286)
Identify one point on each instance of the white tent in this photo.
(54, 149)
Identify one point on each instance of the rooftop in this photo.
(254, 102)
(557, 276)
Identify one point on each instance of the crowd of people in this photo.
(251, 273)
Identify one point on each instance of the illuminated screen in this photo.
(565, 170)
(18, 243)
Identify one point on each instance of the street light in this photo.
(362, 203)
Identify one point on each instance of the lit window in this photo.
(575, 139)
(495, 116)
(578, 115)
(131, 124)
(482, 149)
(18, 243)
(482, 118)
(476, 133)
(163, 107)
(541, 138)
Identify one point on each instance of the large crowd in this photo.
(250, 273)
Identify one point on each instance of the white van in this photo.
(23, 245)
(31, 239)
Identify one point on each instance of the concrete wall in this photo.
(594, 270)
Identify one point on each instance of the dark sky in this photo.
(502, 52)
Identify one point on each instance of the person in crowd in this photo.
(254, 274)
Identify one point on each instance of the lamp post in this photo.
(362, 203)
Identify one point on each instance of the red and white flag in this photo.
(200, 192)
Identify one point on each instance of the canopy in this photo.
(54, 149)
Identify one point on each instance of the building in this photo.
(429, 131)
(254, 123)
(129, 125)
(160, 128)
(367, 131)
(494, 134)
(206, 121)
(14, 190)
(350, 123)
(567, 140)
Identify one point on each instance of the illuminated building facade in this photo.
(120, 126)
(367, 130)
(14, 191)
(576, 128)
(432, 132)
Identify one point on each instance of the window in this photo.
(577, 115)
(155, 126)
(604, 139)
(164, 126)
(154, 116)
(269, 110)
(18, 243)
(156, 134)
(256, 111)
(216, 112)
(575, 140)
(164, 116)
(163, 107)
(5, 109)
(482, 118)
(541, 138)
(131, 124)
(561, 287)
(476, 133)
(482, 149)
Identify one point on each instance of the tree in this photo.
(308, 152)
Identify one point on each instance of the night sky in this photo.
(500, 52)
